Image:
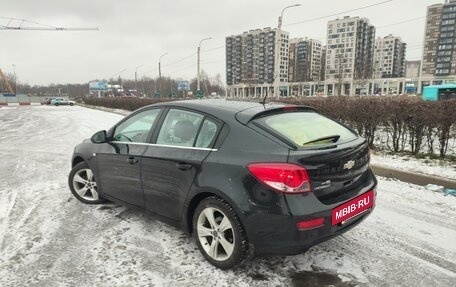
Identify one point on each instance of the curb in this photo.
(19, 104)
(412, 177)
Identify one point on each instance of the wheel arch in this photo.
(200, 196)
(77, 159)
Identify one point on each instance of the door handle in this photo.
(184, 166)
(132, 160)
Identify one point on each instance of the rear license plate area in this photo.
(356, 206)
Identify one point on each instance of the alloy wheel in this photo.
(84, 184)
(215, 233)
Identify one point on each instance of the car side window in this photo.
(179, 128)
(207, 134)
(136, 128)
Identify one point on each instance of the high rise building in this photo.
(304, 60)
(389, 57)
(349, 52)
(323, 63)
(439, 56)
(251, 57)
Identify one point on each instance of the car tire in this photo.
(71, 104)
(219, 234)
(83, 185)
(56, 104)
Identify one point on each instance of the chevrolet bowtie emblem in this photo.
(349, 164)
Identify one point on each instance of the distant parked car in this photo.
(245, 178)
(47, 101)
(62, 101)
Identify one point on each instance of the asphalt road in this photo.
(47, 238)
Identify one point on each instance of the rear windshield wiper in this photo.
(333, 138)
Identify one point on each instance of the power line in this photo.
(193, 65)
(190, 56)
(149, 71)
(415, 43)
(344, 12)
(183, 59)
(322, 39)
(402, 22)
(213, 49)
(183, 69)
(212, 62)
(414, 48)
(180, 60)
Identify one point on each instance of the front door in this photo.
(119, 172)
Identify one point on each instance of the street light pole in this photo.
(120, 79)
(15, 81)
(199, 58)
(160, 73)
(277, 75)
(136, 77)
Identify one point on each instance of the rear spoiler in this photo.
(251, 114)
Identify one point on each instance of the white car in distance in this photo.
(62, 101)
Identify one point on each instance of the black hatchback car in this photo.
(245, 178)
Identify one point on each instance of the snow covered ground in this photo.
(48, 238)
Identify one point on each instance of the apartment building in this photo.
(251, 57)
(323, 63)
(304, 60)
(389, 57)
(439, 56)
(349, 52)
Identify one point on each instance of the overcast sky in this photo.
(137, 32)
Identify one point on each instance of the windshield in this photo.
(306, 129)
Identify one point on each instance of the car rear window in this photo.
(306, 129)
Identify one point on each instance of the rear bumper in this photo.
(287, 240)
(277, 234)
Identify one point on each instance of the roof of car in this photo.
(217, 104)
(225, 109)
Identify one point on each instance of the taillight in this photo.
(284, 177)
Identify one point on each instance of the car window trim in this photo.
(218, 122)
(199, 130)
(162, 145)
(154, 135)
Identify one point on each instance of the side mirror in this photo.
(99, 137)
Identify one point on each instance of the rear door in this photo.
(336, 159)
(173, 160)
